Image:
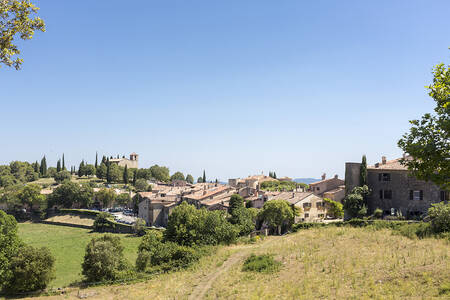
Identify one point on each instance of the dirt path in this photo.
(206, 283)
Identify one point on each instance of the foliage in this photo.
(31, 195)
(106, 197)
(123, 199)
(236, 202)
(428, 141)
(262, 263)
(439, 214)
(141, 185)
(155, 254)
(280, 185)
(139, 226)
(103, 259)
(277, 213)
(160, 173)
(378, 213)
(32, 269)
(62, 175)
(101, 171)
(354, 201)
(204, 176)
(190, 226)
(189, 179)
(177, 176)
(69, 194)
(334, 208)
(200, 180)
(16, 19)
(9, 244)
(103, 222)
(115, 174)
(17, 172)
(363, 172)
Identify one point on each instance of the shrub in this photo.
(139, 227)
(439, 214)
(277, 213)
(32, 270)
(103, 223)
(357, 222)
(103, 260)
(154, 254)
(262, 263)
(444, 289)
(141, 185)
(378, 213)
(9, 244)
(335, 209)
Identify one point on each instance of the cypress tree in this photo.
(274, 175)
(63, 163)
(81, 169)
(125, 175)
(134, 177)
(58, 166)
(108, 175)
(36, 167)
(44, 167)
(104, 159)
(363, 171)
(204, 176)
(96, 160)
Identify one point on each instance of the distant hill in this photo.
(306, 180)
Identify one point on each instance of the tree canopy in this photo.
(428, 140)
(16, 19)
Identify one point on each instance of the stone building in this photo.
(132, 163)
(333, 188)
(394, 189)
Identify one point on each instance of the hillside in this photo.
(323, 263)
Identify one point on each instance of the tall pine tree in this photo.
(134, 177)
(36, 167)
(81, 169)
(204, 176)
(363, 172)
(58, 166)
(63, 163)
(96, 160)
(108, 171)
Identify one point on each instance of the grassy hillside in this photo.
(322, 263)
(68, 244)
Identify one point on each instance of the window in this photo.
(415, 195)
(384, 177)
(385, 194)
(318, 188)
(445, 195)
(306, 204)
(306, 215)
(319, 204)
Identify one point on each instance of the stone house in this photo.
(394, 189)
(132, 162)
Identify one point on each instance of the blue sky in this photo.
(232, 87)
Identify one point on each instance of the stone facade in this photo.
(394, 189)
(131, 163)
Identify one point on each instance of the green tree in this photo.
(160, 173)
(31, 195)
(63, 163)
(36, 167)
(9, 245)
(106, 196)
(43, 167)
(204, 176)
(32, 269)
(81, 171)
(89, 170)
(123, 199)
(134, 177)
(96, 160)
(58, 166)
(236, 202)
(16, 19)
(189, 179)
(177, 176)
(200, 180)
(139, 227)
(428, 141)
(363, 172)
(439, 214)
(103, 222)
(115, 174)
(103, 259)
(277, 213)
(354, 202)
(65, 195)
(334, 208)
(141, 185)
(101, 171)
(125, 175)
(61, 176)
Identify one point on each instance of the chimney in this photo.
(336, 176)
(383, 160)
(324, 176)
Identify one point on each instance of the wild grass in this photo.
(68, 244)
(261, 263)
(319, 263)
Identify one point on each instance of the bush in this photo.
(378, 213)
(141, 185)
(335, 209)
(139, 227)
(357, 222)
(9, 244)
(154, 254)
(262, 263)
(103, 223)
(32, 270)
(103, 260)
(439, 214)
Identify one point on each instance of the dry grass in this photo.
(323, 263)
(73, 219)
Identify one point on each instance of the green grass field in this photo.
(68, 244)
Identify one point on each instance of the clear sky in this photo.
(233, 87)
